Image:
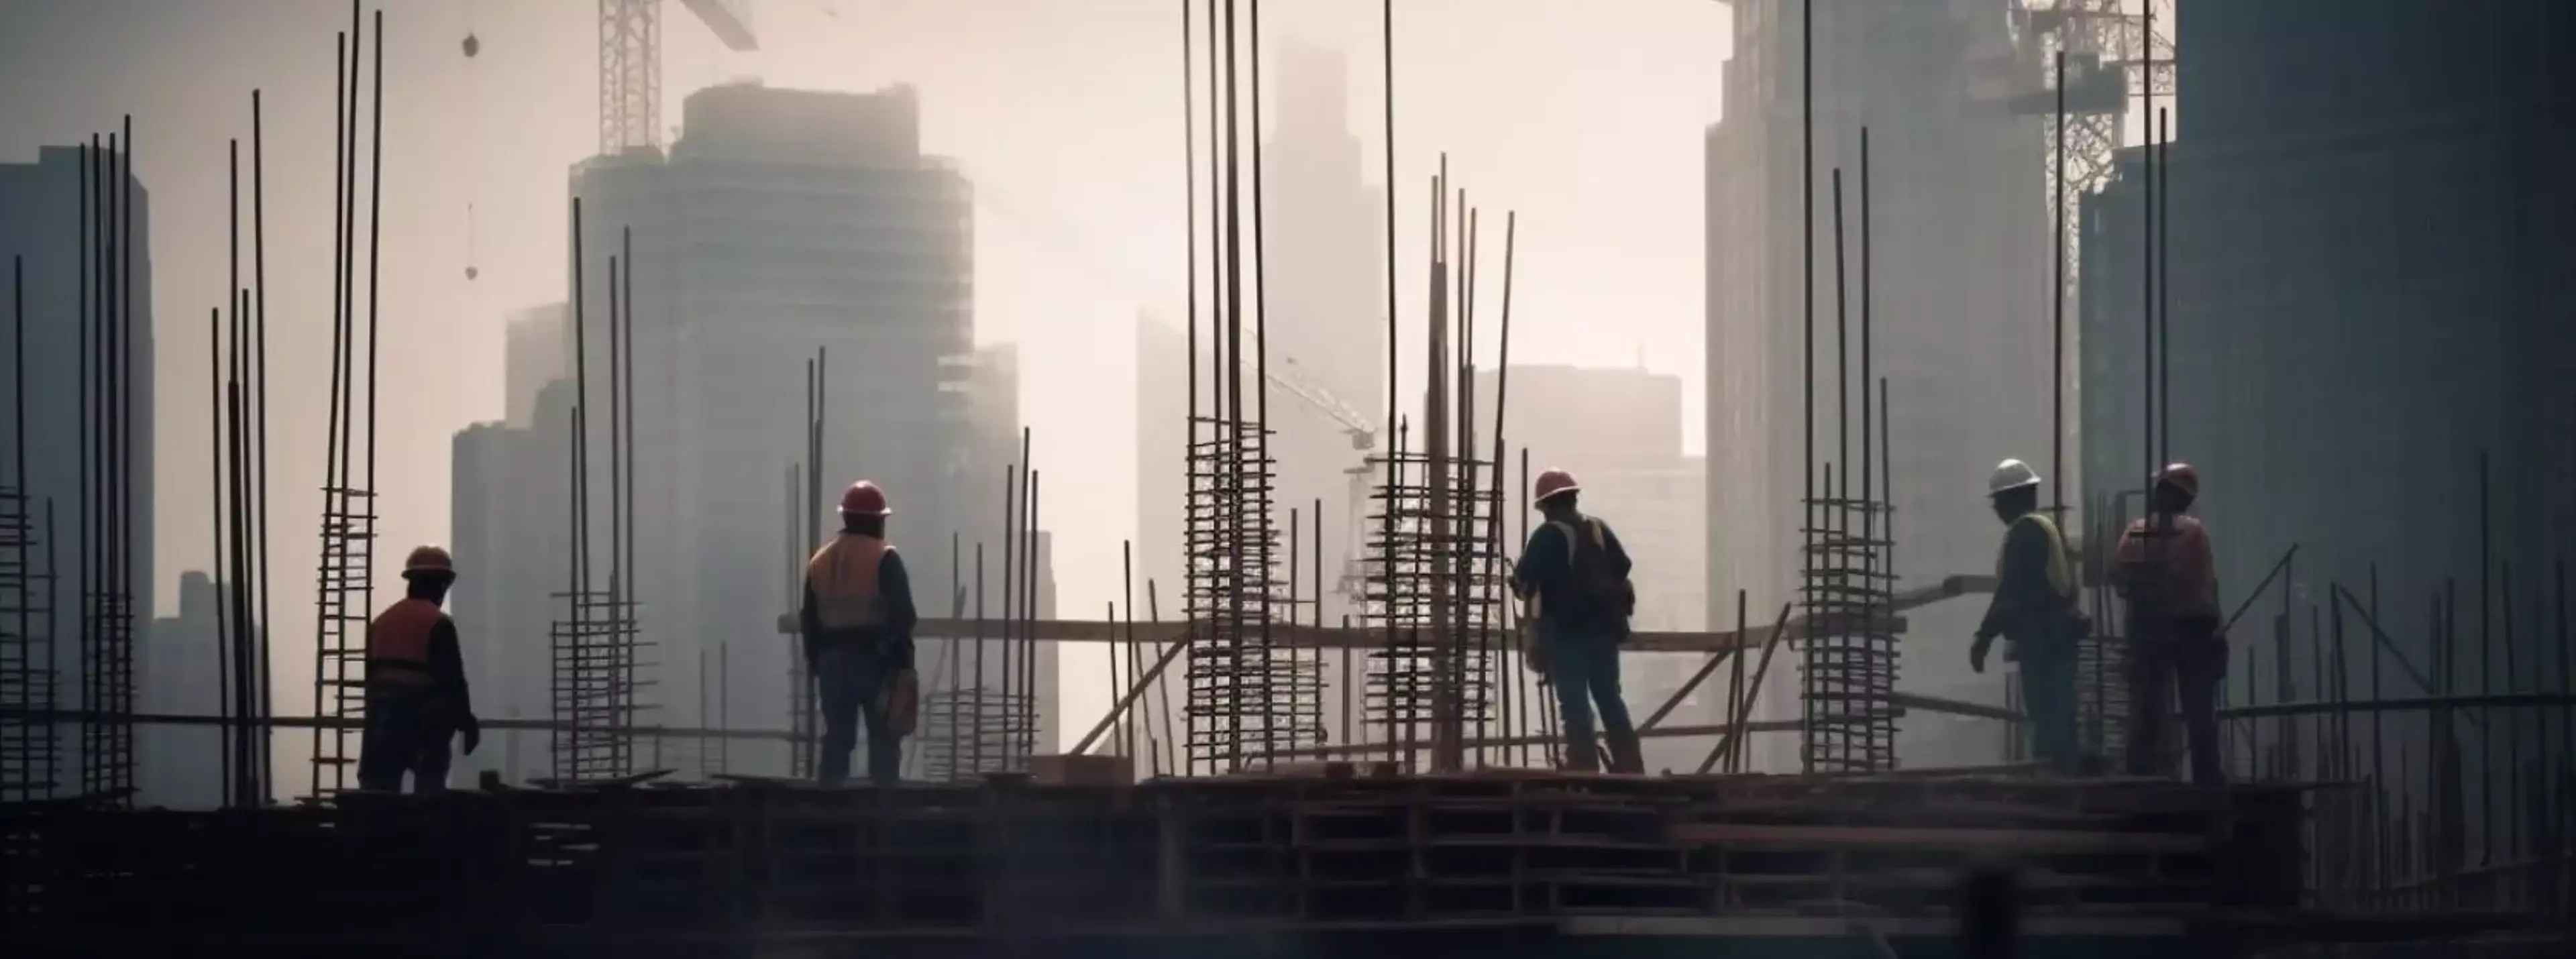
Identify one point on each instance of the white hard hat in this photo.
(2011, 475)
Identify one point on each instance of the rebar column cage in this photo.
(107, 736)
(29, 750)
(341, 600)
(1247, 697)
(593, 687)
(2102, 659)
(966, 733)
(1849, 663)
(1437, 598)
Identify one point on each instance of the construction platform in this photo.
(1505, 863)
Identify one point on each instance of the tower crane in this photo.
(630, 64)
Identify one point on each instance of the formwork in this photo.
(925, 870)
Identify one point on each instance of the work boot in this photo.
(1580, 755)
(1626, 756)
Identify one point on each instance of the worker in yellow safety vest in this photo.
(2034, 610)
(857, 622)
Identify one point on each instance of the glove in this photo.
(473, 733)
(1977, 653)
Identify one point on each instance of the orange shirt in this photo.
(2167, 573)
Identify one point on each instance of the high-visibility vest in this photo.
(398, 642)
(843, 576)
(2061, 573)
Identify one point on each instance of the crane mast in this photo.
(630, 64)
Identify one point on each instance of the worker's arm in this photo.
(447, 672)
(894, 596)
(2023, 585)
(1542, 560)
(809, 620)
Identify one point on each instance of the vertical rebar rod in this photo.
(224, 640)
(375, 248)
(87, 282)
(1391, 586)
(2486, 659)
(2056, 308)
(1807, 286)
(259, 419)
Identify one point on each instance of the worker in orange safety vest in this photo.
(2165, 568)
(415, 688)
(857, 622)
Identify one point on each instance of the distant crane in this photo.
(630, 64)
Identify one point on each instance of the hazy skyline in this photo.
(1586, 119)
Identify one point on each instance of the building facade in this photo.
(42, 231)
(2364, 354)
(1956, 301)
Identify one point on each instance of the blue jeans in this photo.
(1585, 670)
(2048, 699)
(852, 683)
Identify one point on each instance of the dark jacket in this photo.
(1546, 568)
(891, 639)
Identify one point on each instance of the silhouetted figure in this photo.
(857, 622)
(1578, 572)
(2166, 570)
(416, 693)
(2034, 611)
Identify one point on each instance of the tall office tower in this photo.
(784, 226)
(43, 228)
(1957, 293)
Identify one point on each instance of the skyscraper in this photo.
(43, 228)
(1956, 295)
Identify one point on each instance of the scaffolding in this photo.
(29, 749)
(341, 598)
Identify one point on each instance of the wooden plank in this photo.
(1294, 636)
(2025, 841)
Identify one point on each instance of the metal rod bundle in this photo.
(344, 582)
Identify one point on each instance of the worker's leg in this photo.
(2150, 696)
(385, 741)
(885, 749)
(1603, 673)
(429, 765)
(1572, 676)
(2200, 664)
(837, 671)
(2048, 697)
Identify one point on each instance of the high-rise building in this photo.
(1956, 300)
(1619, 431)
(785, 231)
(2366, 318)
(42, 230)
(537, 350)
(509, 493)
(180, 671)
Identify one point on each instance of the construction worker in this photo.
(857, 622)
(2034, 611)
(2165, 570)
(1576, 575)
(416, 693)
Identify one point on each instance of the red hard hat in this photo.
(1553, 482)
(428, 559)
(863, 498)
(2182, 477)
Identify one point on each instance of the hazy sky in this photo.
(1584, 115)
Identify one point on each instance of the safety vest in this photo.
(2061, 573)
(398, 642)
(843, 576)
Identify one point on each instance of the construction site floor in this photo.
(1515, 863)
